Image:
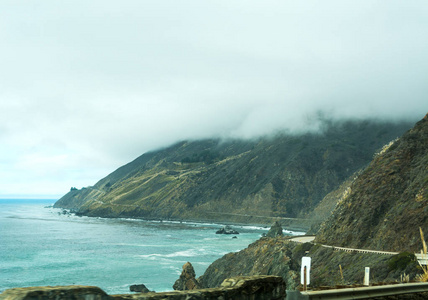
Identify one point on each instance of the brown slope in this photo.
(388, 201)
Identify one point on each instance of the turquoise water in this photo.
(40, 246)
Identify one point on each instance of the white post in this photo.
(305, 271)
(367, 276)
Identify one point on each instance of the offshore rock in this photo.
(227, 230)
(275, 230)
(187, 280)
(139, 288)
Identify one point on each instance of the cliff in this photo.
(387, 203)
(281, 257)
(267, 256)
(246, 181)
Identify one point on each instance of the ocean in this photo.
(40, 246)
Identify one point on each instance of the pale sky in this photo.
(87, 86)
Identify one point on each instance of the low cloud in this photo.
(87, 87)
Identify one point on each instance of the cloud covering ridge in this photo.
(87, 86)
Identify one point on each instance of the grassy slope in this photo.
(282, 176)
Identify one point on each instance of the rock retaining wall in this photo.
(236, 288)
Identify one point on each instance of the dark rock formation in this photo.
(139, 288)
(227, 230)
(266, 256)
(275, 230)
(187, 280)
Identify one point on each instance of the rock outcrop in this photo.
(275, 230)
(227, 230)
(139, 288)
(187, 280)
(266, 256)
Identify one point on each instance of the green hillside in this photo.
(246, 181)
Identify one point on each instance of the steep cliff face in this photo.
(267, 256)
(324, 209)
(240, 181)
(387, 203)
(281, 257)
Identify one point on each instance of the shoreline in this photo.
(293, 228)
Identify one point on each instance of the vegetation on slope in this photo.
(388, 201)
(278, 256)
(249, 181)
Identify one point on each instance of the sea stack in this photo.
(275, 230)
(187, 280)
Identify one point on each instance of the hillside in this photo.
(278, 256)
(387, 203)
(246, 181)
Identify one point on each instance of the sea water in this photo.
(40, 245)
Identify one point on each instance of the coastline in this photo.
(133, 250)
(289, 224)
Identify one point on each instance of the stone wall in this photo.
(236, 288)
(77, 292)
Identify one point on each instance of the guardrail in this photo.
(422, 258)
(360, 250)
(361, 292)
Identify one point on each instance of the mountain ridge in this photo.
(284, 176)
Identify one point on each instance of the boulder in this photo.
(275, 230)
(139, 288)
(227, 230)
(187, 280)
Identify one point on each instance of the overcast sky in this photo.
(87, 86)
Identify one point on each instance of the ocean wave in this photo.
(211, 238)
(184, 253)
(294, 232)
(249, 227)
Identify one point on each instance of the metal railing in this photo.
(361, 292)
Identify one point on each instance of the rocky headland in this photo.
(237, 181)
